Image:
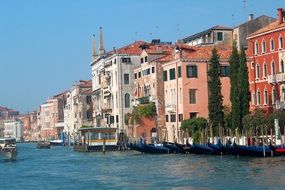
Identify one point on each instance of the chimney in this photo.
(280, 15)
(250, 17)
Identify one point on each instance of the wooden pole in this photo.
(262, 128)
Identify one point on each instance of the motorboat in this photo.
(8, 148)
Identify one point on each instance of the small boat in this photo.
(56, 142)
(8, 149)
(43, 145)
(202, 149)
(277, 149)
(174, 147)
(150, 148)
(255, 151)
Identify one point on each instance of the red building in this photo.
(266, 65)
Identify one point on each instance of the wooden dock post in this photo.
(104, 146)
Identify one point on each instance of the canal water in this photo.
(61, 168)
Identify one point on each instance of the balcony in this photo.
(106, 91)
(170, 108)
(276, 78)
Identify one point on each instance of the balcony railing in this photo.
(276, 78)
(170, 107)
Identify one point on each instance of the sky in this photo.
(45, 46)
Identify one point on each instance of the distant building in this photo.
(266, 65)
(217, 35)
(6, 113)
(113, 83)
(78, 108)
(186, 85)
(149, 88)
(29, 126)
(13, 128)
(241, 32)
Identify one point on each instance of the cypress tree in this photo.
(215, 106)
(243, 85)
(234, 93)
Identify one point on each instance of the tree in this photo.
(234, 93)
(194, 127)
(243, 86)
(216, 115)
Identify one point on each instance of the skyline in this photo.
(47, 46)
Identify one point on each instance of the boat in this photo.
(8, 149)
(150, 148)
(255, 151)
(58, 142)
(203, 149)
(174, 147)
(43, 145)
(277, 149)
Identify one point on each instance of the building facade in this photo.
(13, 128)
(241, 32)
(217, 35)
(266, 65)
(186, 86)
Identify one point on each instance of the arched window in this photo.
(256, 48)
(253, 99)
(281, 42)
(257, 72)
(273, 68)
(258, 97)
(263, 46)
(282, 66)
(282, 93)
(127, 100)
(271, 44)
(265, 97)
(264, 70)
(273, 96)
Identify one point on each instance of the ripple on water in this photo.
(61, 168)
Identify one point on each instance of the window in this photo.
(220, 36)
(273, 96)
(88, 99)
(281, 42)
(166, 118)
(172, 118)
(142, 60)
(171, 74)
(224, 71)
(193, 115)
(126, 60)
(253, 98)
(152, 70)
(265, 97)
(127, 100)
(282, 66)
(164, 75)
(257, 72)
(191, 71)
(263, 46)
(258, 97)
(256, 48)
(264, 70)
(140, 74)
(126, 79)
(117, 118)
(282, 93)
(179, 71)
(136, 76)
(271, 44)
(180, 117)
(192, 96)
(145, 59)
(273, 68)
(148, 71)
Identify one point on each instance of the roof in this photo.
(268, 28)
(132, 49)
(197, 35)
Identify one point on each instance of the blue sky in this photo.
(45, 46)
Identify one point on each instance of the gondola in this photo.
(277, 149)
(151, 148)
(174, 147)
(202, 149)
(255, 151)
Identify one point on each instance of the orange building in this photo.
(186, 85)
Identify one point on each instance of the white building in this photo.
(13, 128)
(113, 83)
